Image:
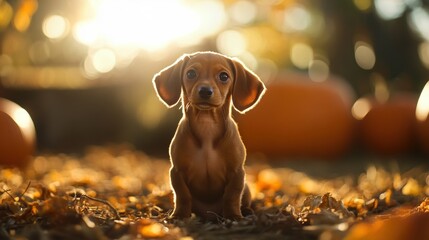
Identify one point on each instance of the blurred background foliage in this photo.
(83, 68)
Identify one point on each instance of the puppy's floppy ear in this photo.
(248, 88)
(168, 82)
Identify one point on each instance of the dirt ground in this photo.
(117, 192)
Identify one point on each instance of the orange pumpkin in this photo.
(299, 118)
(402, 224)
(389, 127)
(17, 135)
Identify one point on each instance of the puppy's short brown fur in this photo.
(207, 154)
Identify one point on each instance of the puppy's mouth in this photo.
(205, 105)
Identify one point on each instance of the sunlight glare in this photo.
(143, 23)
(150, 25)
(422, 109)
(22, 118)
(85, 32)
(212, 17)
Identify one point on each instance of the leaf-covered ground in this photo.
(120, 193)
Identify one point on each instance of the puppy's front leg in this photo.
(232, 195)
(182, 196)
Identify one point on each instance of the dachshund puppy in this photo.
(207, 155)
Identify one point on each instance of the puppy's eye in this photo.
(223, 76)
(191, 74)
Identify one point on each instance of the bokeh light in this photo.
(125, 57)
(296, 18)
(88, 69)
(21, 22)
(390, 9)
(363, 5)
(85, 32)
(318, 70)
(361, 108)
(267, 70)
(249, 60)
(6, 13)
(364, 55)
(99, 62)
(381, 89)
(23, 15)
(422, 109)
(104, 60)
(243, 11)
(55, 27)
(419, 21)
(285, 34)
(301, 55)
(424, 53)
(231, 43)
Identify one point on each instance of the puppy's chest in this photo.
(207, 165)
(208, 131)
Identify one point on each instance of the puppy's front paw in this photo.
(233, 216)
(246, 211)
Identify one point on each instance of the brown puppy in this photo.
(207, 154)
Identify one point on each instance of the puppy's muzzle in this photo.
(205, 92)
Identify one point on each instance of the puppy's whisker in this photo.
(187, 106)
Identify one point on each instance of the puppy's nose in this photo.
(205, 92)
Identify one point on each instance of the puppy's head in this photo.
(207, 80)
